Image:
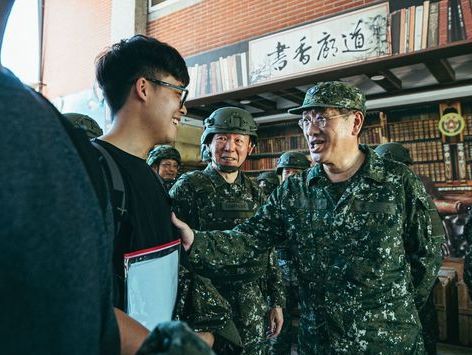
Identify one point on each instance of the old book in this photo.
(239, 70)
(407, 30)
(466, 6)
(411, 29)
(403, 21)
(395, 31)
(461, 32)
(433, 25)
(424, 29)
(418, 27)
(443, 22)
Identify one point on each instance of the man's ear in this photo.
(252, 146)
(358, 122)
(141, 89)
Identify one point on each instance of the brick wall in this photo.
(75, 32)
(216, 23)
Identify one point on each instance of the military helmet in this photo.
(394, 151)
(163, 152)
(85, 122)
(269, 176)
(294, 160)
(334, 94)
(229, 120)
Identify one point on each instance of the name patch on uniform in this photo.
(235, 206)
(372, 206)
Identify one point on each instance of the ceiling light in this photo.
(377, 77)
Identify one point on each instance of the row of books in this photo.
(260, 164)
(436, 171)
(281, 144)
(468, 150)
(224, 74)
(425, 151)
(468, 124)
(371, 135)
(413, 130)
(431, 24)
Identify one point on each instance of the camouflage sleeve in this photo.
(468, 257)
(275, 286)
(183, 201)
(218, 249)
(423, 237)
(203, 308)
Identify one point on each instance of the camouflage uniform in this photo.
(164, 152)
(206, 201)
(427, 313)
(365, 264)
(468, 257)
(283, 343)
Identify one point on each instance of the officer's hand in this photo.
(186, 233)
(173, 338)
(276, 320)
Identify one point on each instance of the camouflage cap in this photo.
(85, 122)
(394, 151)
(334, 94)
(163, 152)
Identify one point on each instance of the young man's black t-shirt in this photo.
(147, 221)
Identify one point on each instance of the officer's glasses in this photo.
(183, 91)
(169, 165)
(315, 118)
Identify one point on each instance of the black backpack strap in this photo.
(117, 185)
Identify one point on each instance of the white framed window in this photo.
(161, 8)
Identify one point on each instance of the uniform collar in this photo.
(372, 169)
(217, 179)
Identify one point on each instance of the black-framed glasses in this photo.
(315, 118)
(182, 89)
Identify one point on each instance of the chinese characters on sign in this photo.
(351, 37)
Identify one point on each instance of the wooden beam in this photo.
(441, 70)
(389, 83)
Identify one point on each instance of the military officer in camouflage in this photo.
(428, 317)
(220, 197)
(165, 161)
(267, 181)
(365, 236)
(288, 164)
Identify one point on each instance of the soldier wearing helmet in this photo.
(394, 151)
(87, 123)
(165, 161)
(220, 197)
(291, 163)
(364, 235)
(268, 181)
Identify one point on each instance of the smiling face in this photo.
(228, 149)
(164, 110)
(333, 142)
(168, 169)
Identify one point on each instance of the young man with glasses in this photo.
(143, 81)
(363, 233)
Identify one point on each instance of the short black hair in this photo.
(118, 67)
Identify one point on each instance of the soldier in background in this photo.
(288, 164)
(366, 236)
(428, 317)
(165, 161)
(87, 123)
(221, 197)
(268, 182)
